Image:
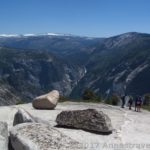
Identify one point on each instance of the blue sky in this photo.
(99, 18)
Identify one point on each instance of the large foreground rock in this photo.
(33, 136)
(47, 101)
(3, 136)
(89, 119)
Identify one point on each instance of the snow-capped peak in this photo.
(28, 34)
(55, 34)
(38, 34)
(9, 35)
(41, 34)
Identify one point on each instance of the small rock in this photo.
(3, 136)
(34, 136)
(89, 119)
(47, 101)
(22, 116)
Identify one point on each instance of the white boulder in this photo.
(47, 101)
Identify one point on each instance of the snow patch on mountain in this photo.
(9, 35)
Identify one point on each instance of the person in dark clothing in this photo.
(136, 99)
(139, 103)
(130, 102)
(123, 101)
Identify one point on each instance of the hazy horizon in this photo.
(67, 34)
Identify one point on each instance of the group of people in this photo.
(137, 102)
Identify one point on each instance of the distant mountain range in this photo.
(34, 64)
(31, 34)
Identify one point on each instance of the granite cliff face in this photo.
(24, 74)
(119, 64)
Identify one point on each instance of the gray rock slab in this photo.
(3, 136)
(35, 136)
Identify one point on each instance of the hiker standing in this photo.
(139, 103)
(123, 101)
(130, 102)
(136, 99)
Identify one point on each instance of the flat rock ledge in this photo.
(35, 136)
(89, 120)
